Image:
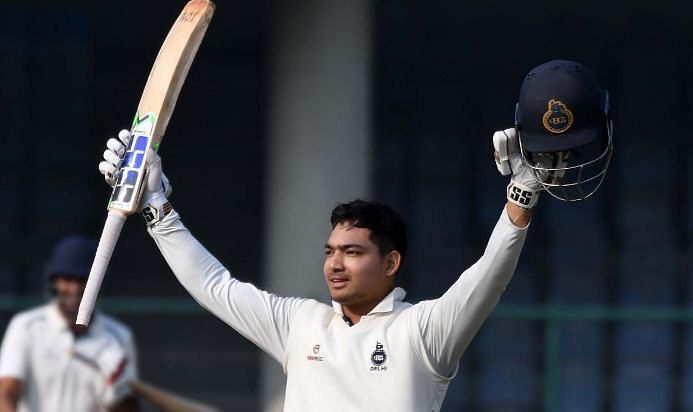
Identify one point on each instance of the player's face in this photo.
(356, 274)
(68, 292)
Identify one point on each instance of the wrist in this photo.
(154, 208)
(518, 216)
(522, 195)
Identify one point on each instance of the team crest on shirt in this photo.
(558, 118)
(316, 356)
(378, 358)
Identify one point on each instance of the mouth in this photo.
(338, 282)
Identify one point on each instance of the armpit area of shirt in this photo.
(423, 355)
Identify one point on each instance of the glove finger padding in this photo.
(124, 136)
(112, 158)
(109, 172)
(524, 188)
(506, 147)
(117, 147)
(500, 153)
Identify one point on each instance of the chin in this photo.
(69, 312)
(341, 297)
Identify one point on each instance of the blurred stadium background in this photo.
(291, 107)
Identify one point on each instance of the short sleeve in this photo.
(14, 353)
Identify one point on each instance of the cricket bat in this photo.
(153, 113)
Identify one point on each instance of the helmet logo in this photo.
(558, 118)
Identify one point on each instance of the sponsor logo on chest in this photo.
(316, 356)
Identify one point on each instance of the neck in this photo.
(355, 315)
(358, 310)
(71, 319)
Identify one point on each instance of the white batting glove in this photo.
(154, 204)
(113, 157)
(525, 183)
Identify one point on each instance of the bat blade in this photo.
(153, 114)
(159, 99)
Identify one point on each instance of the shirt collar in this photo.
(58, 323)
(385, 305)
(55, 318)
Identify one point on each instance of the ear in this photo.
(393, 260)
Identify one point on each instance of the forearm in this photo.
(10, 390)
(196, 269)
(7, 405)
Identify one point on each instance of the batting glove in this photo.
(154, 204)
(525, 182)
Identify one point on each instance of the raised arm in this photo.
(261, 317)
(447, 325)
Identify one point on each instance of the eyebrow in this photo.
(345, 246)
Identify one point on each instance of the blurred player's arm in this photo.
(13, 364)
(10, 391)
(129, 404)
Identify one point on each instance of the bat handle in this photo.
(109, 238)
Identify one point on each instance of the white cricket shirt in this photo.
(61, 373)
(399, 357)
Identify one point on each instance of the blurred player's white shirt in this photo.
(61, 373)
(399, 357)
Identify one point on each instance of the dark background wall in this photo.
(71, 76)
(446, 75)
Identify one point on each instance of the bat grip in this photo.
(109, 238)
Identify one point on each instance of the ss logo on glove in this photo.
(150, 214)
(523, 197)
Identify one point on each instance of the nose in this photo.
(335, 263)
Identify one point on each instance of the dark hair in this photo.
(388, 230)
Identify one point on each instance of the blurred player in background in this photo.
(48, 364)
(370, 350)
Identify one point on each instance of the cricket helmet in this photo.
(563, 113)
(71, 257)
